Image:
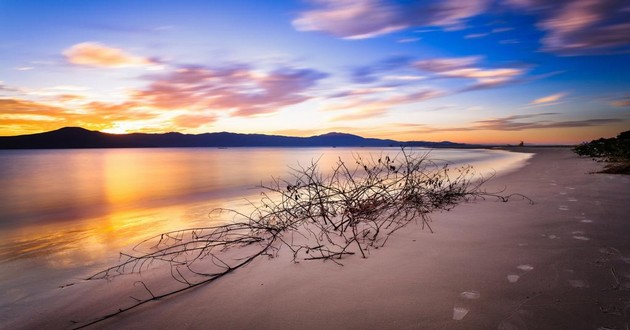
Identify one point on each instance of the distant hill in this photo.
(76, 137)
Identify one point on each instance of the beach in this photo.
(562, 262)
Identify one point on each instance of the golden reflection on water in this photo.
(79, 208)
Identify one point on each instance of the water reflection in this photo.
(78, 208)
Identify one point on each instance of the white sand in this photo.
(489, 265)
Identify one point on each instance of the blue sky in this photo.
(468, 71)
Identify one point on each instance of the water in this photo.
(66, 213)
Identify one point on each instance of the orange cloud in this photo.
(549, 98)
(193, 120)
(18, 116)
(98, 55)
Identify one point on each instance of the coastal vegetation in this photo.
(310, 215)
(614, 151)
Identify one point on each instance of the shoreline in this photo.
(488, 265)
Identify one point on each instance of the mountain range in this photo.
(76, 137)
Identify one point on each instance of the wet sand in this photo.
(561, 263)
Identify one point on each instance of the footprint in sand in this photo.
(470, 294)
(513, 278)
(578, 284)
(563, 207)
(578, 234)
(459, 312)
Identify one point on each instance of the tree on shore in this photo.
(314, 216)
(615, 151)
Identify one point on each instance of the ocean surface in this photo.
(68, 213)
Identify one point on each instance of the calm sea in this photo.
(69, 212)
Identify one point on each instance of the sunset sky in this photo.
(476, 71)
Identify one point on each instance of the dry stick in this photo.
(153, 297)
(382, 196)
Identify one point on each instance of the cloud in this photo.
(524, 122)
(373, 72)
(351, 19)
(548, 99)
(98, 55)
(4, 87)
(360, 19)
(457, 67)
(408, 40)
(446, 64)
(24, 107)
(579, 27)
(572, 27)
(236, 88)
(467, 68)
(623, 102)
(361, 114)
(25, 115)
(476, 35)
(194, 120)
(452, 14)
(358, 106)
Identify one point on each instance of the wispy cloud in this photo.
(622, 102)
(361, 114)
(576, 27)
(549, 98)
(360, 19)
(476, 35)
(98, 55)
(468, 68)
(525, 122)
(572, 27)
(194, 120)
(408, 40)
(237, 88)
(351, 19)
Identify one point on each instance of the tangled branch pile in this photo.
(316, 216)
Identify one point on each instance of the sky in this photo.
(475, 71)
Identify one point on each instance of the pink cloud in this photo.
(239, 89)
(360, 19)
(579, 27)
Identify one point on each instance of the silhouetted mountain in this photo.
(76, 137)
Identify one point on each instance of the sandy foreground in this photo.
(562, 263)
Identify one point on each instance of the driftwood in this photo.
(315, 216)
